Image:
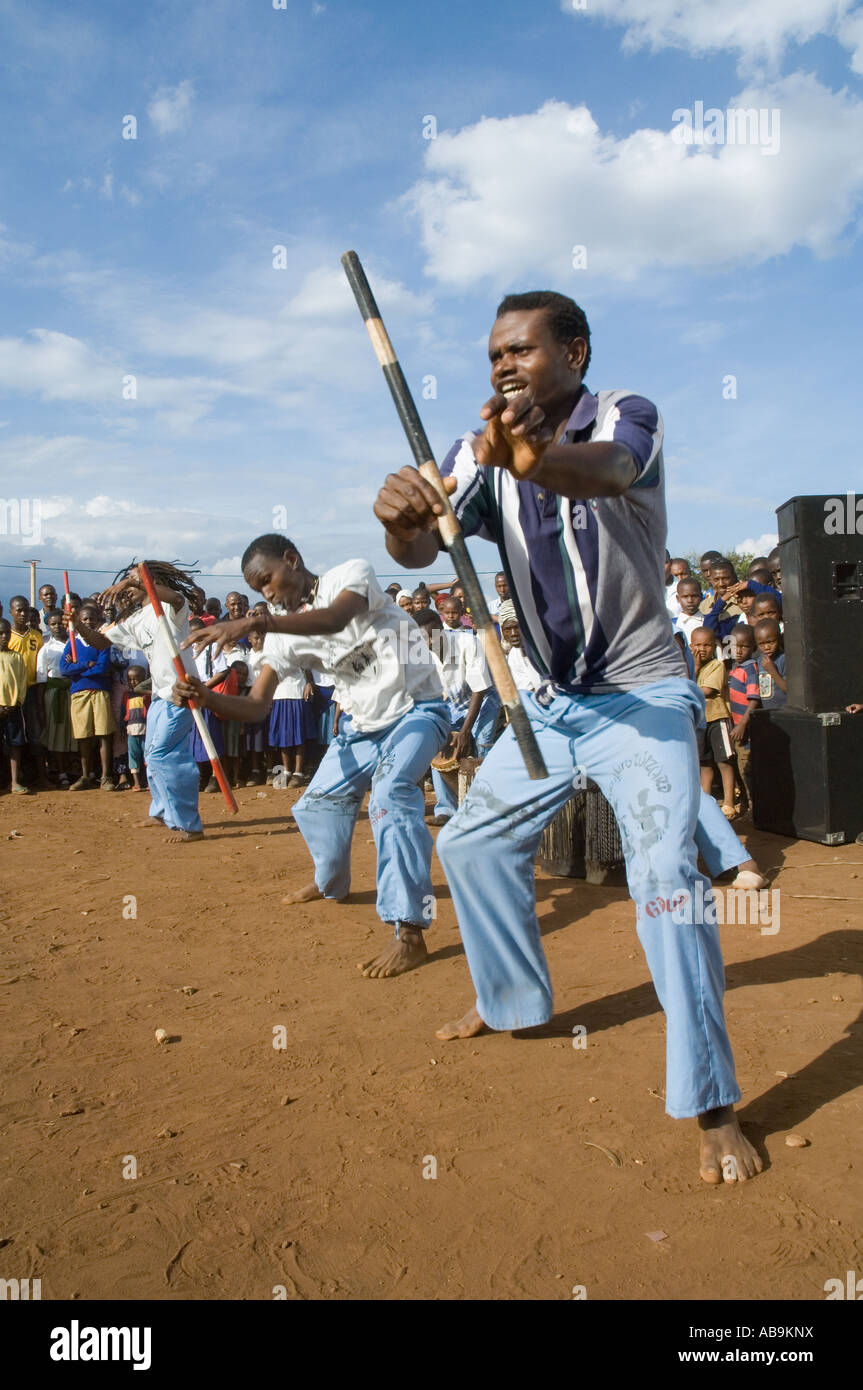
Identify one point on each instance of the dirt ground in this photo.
(303, 1166)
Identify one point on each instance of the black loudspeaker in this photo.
(807, 774)
(821, 545)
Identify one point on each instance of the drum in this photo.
(583, 841)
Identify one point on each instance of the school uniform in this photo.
(586, 578)
(89, 678)
(172, 775)
(28, 645)
(255, 735)
(57, 728)
(394, 722)
(687, 625)
(292, 719)
(13, 693)
(464, 674)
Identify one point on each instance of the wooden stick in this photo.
(182, 673)
(69, 624)
(448, 526)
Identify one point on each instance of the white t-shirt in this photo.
(292, 683)
(48, 659)
(465, 669)
(141, 631)
(672, 602)
(687, 625)
(254, 661)
(524, 673)
(379, 664)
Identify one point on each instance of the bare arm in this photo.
(315, 622)
(250, 709)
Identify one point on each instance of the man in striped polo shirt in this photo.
(570, 486)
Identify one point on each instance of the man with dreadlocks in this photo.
(570, 486)
(171, 770)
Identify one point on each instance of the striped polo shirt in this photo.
(742, 687)
(587, 577)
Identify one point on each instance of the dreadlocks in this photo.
(171, 577)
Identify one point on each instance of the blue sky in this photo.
(303, 127)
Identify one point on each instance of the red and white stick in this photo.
(72, 649)
(182, 673)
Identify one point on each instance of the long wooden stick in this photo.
(69, 624)
(197, 714)
(448, 526)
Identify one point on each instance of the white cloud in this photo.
(171, 107)
(757, 30)
(508, 199)
(762, 546)
(703, 334)
(57, 367)
(851, 35)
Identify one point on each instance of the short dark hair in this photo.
(565, 318)
(427, 617)
(53, 613)
(19, 598)
(709, 555)
(768, 598)
(271, 545)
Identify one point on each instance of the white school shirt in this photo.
(48, 660)
(379, 663)
(465, 669)
(141, 631)
(524, 673)
(687, 625)
(672, 602)
(254, 661)
(292, 683)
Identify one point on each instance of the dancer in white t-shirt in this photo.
(393, 723)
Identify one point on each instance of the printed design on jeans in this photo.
(649, 765)
(384, 767)
(481, 807)
(343, 803)
(648, 817)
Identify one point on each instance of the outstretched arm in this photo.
(314, 622)
(249, 709)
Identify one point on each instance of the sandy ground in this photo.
(303, 1167)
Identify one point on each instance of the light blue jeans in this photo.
(172, 775)
(446, 802)
(639, 747)
(392, 762)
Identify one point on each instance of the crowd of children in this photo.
(730, 632)
(79, 722)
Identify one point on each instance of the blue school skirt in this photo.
(292, 722)
(214, 724)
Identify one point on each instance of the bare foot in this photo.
(151, 823)
(726, 1154)
(467, 1027)
(309, 893)
(403, 953)
(180, 837)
